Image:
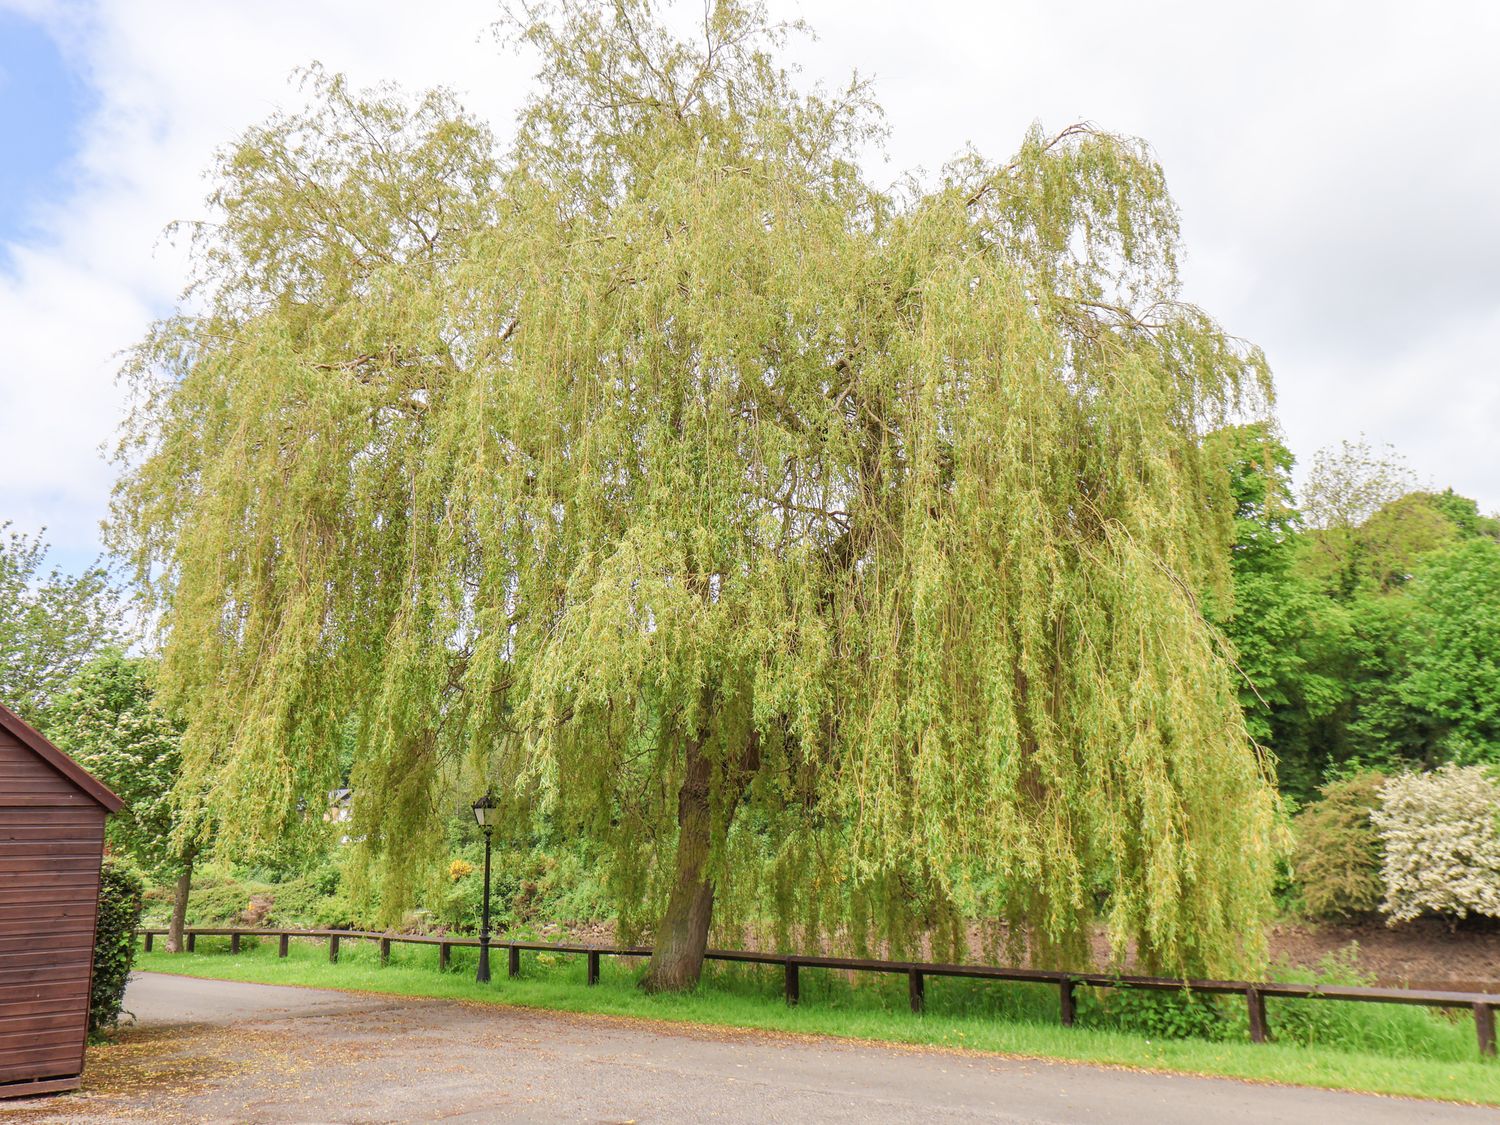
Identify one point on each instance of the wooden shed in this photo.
(51, 845)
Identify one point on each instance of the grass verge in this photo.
(1427, 1055)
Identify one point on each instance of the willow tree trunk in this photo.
(179, 908)
(682, 937)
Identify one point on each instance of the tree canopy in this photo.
(1287, 638)
(832, 554)
(104, 719)
(51, 623)
(1365, 640)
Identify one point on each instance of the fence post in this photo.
(444, 952)
(1257, 1005)
(514, 966)
(281, 945)
(385, 952)
(916, 989)
(1484, 1028)
(192, 941)
(1067, 1005)
(793, 985)
(149, 936)
(333, 947)
(593, 966)
(234, 943)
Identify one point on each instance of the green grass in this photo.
(1376, 1048)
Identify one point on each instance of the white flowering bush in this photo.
(1441, 832)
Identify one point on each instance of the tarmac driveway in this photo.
(206, 1050)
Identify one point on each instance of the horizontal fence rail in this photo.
(1482, 1004)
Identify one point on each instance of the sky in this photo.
(1336, 166)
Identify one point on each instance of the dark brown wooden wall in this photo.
(51, 841)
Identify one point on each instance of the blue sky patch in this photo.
(43, 101)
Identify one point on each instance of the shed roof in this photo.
(31, 738)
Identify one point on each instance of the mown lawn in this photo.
(1376, 1048)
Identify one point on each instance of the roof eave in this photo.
(34, 741)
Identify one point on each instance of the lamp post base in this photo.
(483, 975)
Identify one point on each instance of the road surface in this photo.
(207, 1050)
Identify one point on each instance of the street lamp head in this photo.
(486, 813)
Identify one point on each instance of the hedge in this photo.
(120, 903)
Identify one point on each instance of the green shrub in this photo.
(1164, 1015)
(1337, 859)
(567, 888)
(120, 903)
(336, 912)
(221, 905)
(528, 886)
(301, 900)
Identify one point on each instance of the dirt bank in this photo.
(1422, 954)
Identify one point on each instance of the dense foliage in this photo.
(1451, 642)
(1285, 635)
(120, 902)
(51, 623)
(1367, 622)
(821, 552)
(106, 720)
(1337, 861)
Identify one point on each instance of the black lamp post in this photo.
(485, 815)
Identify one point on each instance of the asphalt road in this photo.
(221, 1051)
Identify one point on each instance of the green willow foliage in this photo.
(826, 553)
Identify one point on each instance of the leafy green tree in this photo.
(106, 720)
(1287, 637)
(1370, 529)
(1465, 515)
(1346, 489)
(51, 623)
(1424, 669)
(1397, 537)
(1452, 645)
(823, 553)
(1379, 729)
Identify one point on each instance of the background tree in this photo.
(1412, 649)
(105, 719)
(1289, 640)
(1360, 528)
(53, 623)
(1451, 675)
(1465, 515)
(1361, 642)
(828, 555)
(1399, 535)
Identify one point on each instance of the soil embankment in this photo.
(1422, 954)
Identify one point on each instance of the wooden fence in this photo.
(1482, 1004)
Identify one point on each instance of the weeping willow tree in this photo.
(825, 555)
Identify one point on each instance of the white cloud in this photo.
(1332, 163)
(175, 81)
